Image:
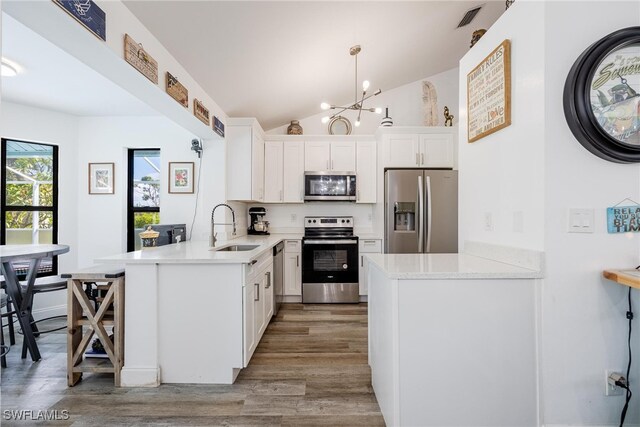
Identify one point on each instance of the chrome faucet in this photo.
(212, 241)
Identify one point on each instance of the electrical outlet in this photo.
(488, 221)
(612, 389)
(294, 217)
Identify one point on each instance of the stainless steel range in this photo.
(329, 260)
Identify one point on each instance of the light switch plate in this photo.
(580, 221)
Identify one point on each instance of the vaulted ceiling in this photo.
(278, 61)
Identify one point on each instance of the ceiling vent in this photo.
(468, 17)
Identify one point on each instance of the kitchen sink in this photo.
(235, 248)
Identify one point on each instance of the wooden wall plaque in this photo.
(200, 111)
(135, 55)
(177, 91)
(489, 94)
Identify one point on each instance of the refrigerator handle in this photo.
(420, 216)
(428, 213)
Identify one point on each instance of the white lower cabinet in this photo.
(292, 268)
(257, 304)
(248, 327)
(371, 246)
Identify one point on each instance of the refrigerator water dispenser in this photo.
(405, 216)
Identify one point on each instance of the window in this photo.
(143, 206)
(29, 198)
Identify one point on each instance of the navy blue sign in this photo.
(218, 126)
(88, 14)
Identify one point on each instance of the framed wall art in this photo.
(201, 112)
(181, 177)
(177, 91)
(602, 97)
(140, 59)
(101, 178)
(489, 94)
(88, 14)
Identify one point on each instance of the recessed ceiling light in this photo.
(8, 69)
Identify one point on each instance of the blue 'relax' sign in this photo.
(88, 14)
(623, 219)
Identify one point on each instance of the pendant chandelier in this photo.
(358, 103)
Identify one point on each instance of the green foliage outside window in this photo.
(39, 169)
(144, 218)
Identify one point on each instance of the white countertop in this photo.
(199, 252)
(448, 266)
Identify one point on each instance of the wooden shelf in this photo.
(629, 278)
(94, 364)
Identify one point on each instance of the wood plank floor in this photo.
(309, 369)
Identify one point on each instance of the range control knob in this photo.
(348, 221)
(343, 221)
(314, 221)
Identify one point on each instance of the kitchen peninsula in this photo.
(446, 327)
(193, 315)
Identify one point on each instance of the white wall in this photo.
(584, 315)
(37, 125)
(281, 221)
(537, 167)
(107, 58)
(502, 174)
(102, 218)
(404, 102)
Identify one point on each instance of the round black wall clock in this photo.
(602, 97)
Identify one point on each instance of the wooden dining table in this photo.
(33, 254)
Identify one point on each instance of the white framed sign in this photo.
(489, 94)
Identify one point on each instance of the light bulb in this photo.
(365, 85)
(325, 119)
(325, 106)
(357, 123)
(378, 110)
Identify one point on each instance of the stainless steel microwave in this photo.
(329, 186)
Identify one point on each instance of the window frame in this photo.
(132, 210)
(4, 208)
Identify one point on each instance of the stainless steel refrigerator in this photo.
(421, 211)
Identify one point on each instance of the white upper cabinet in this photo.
(401, 151)
(245, 160)
(317, 156)
(293, 176)
(430, 147)
(366, 171)
(339, 156)
(273, 172)
(436, 150)
(343, 156)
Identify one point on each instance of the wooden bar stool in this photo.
(109, 281)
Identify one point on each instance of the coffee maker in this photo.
(257, 224)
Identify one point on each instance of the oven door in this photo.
(330, 261)
(329, 186)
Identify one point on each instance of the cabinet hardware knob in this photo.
(417, 159)
(257, 297)
(422, 156)
(297, 260)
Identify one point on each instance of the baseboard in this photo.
(140, 377)
(56, 310)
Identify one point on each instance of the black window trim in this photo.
(4, 208)
(131, 210)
